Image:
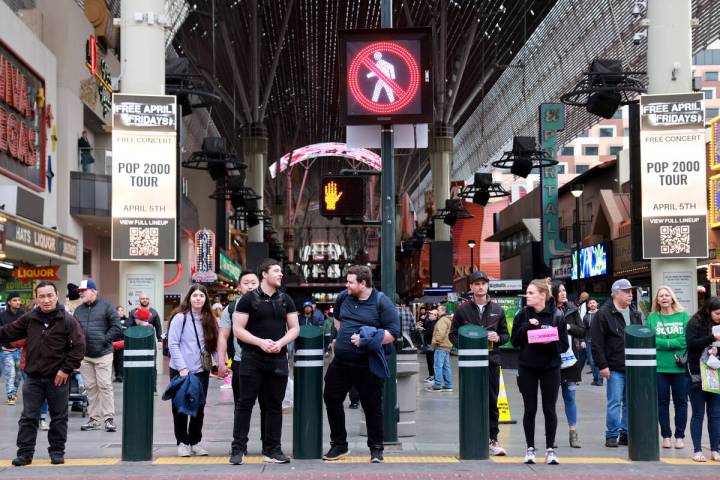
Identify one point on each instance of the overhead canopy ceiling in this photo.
(302, 106)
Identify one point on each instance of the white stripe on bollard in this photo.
(472, 351)
(309, 363)
(640, 351)
(309, 352)
(640, 363)
(138, 353)
(139, 363)
(472, 363)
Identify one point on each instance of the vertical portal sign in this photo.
(204, 257)
(385, 76)
(144, 177)
(552, 120)
(674, 180)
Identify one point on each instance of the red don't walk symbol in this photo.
(388, 93)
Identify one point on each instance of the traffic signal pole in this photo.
(391, 409)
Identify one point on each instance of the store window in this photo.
(615, 149)
(607, 132)
(711, 113)
(711, 76)
(618, 114)
(567, 151)
(581, 168)
(590, 150)
(87, 262)
(708, 94)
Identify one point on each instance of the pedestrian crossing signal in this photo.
(342, 196)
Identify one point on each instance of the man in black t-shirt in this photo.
(265, 321)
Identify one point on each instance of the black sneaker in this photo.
(354, 406)
(336, 452)
(110, 425)
(611, 442)
(21, 461)
(276, 457)
(57, 459)
(376, 455)
(237, 457)
(623, 440)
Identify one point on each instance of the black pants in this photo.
(118, 362)
(549, 381)
(188, 430)
(262, 378)
(354, 395)
(35, 391)
(236, 394)
(338, 381)
(430, 359)
(494, 390)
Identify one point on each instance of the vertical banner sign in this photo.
(674, 203)
(552, 120)
(715, 144)
(144, 177)
(204, 257)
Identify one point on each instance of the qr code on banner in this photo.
(144, 242)
(674, 239)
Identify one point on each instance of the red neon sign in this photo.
(369, 62)
(93, 55)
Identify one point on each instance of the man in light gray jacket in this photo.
(101, 326)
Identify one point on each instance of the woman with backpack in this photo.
(571, 374)
(192, 338)
(669, 321)
(702, 331)
(536, 332)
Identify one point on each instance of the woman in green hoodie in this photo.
(669, 320)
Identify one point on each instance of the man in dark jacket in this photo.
(10, 355)
(155, 322)
(55, 347)
(607, 334)
(486, 313)
(101, 325)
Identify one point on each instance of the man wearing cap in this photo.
(607, 333)
(9, 355)
(101, 326)
(311, 316)
(486, 313)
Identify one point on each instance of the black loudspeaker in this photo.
(521, 167)
(213, 145)
(483, 180)
(236, 182)
(606, 72)
(237, 200)
(441, 263)
(252, 220)
(453, 204)
(523, 145)
(450, 219)
(481, 197)
(217, 170)
(255, 253)
(603, 104)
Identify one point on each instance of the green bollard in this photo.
(307, 389)
(474, 397)
(138, 397)
(641, 387)
(391, 408)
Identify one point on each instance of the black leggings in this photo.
(430, 359)
(549, 380)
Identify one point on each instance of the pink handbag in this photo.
(543, 335)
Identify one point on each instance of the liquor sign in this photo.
(204, 257)
(229, 268)
(100, 71)
(342, 196)
(144, 177)
(385, 76)
(674, 204)
(23, 124)
(30, 237)
(48, 272)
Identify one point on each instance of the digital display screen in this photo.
(342, 196)
(591, 261)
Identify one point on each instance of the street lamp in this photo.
(471, 244)
(577, 191)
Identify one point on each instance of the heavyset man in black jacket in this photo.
(607, 333)
(101, 325)
(486, 313)
(55, 347)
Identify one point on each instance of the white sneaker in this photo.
(44, 425)
(184, 450)
(496, 450)
(530, 456)
(225, 386)
(551, 457)
(198, 450)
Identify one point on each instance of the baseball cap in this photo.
(622, 284)
(479, 276)
(87, 284)
(308, 304)
(12, 295)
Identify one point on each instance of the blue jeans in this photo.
(568, 394)
(699, 401)
(586, 355)
(616, 415)
(11, 369)
(443, 374)
(678, 383)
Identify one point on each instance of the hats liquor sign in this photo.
(22, 121)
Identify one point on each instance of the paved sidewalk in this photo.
(434, 449)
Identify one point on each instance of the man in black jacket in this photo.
(10, 355)
(101, 326)
(607, 334)
(486, 313)
(55, 347)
